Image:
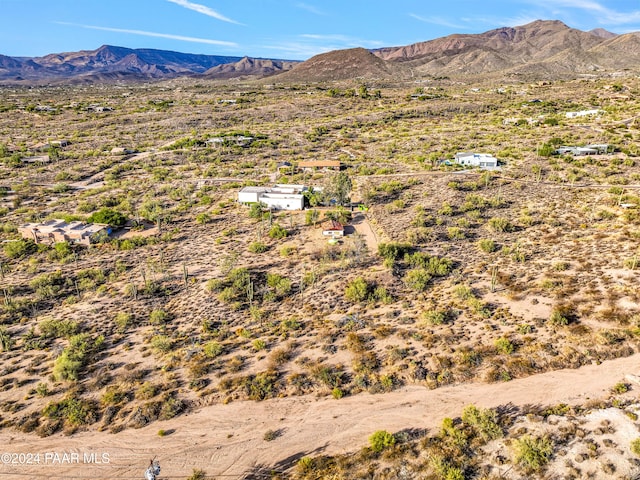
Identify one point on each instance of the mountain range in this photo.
(543, 49)
(113, 63)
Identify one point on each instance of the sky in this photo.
(284, 29)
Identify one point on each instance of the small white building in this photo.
(482, 160)
(332, 228)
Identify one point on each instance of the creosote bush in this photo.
(532, 453)
(381, 440)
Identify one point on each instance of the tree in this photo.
(108, 216)
(339, 188)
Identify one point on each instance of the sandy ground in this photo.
(229, 439)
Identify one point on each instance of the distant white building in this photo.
(583, 113)
(482, 160)
(278, 197)
(594, 149)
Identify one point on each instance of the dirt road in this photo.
(229, 439)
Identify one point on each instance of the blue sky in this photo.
(291, 29)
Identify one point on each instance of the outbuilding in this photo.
(332, 228)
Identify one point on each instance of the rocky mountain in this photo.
(109, 62)
(542, 49)
(601, 32)
(249, 67)
(545, 47)
(341, 65)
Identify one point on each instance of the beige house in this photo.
(55, 231)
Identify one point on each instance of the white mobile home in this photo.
(482, 160)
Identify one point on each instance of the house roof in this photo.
(58, 225)
(332, 225)
(319, 163)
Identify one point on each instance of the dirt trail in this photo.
(361, 224)
(229, 439)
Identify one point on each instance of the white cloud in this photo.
(296, 50)
(437, 21)
(307, 45)
(344, 40)
(310, 9)
(153, 34)
(203, 9)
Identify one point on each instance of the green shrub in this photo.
(67, 367)
(73, 358)
(417, 279)
(635, 447)
(212, 349)
(162, 343)
(280, 286)
(393, 250)
(258, 247)
(255, 210)
(146, 391)
(434, 317)
(337, 393)
(484, 421)
(561, 315)
(278, 231)
(53, 328)
(261, 385)
(198, 474)
(108, 216)
(158, 317)
(498, 224)
(504, 346)
(203, 218)
(287, 250)
(487, 245)
(455, 233)
(123, 320)
(357, 290)
(19, 248)
(73, 410)
(42, 389)
(620, 388)
(6, 342)
(113, 395)
(311, 217)
(381, 440)
(532, 453)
